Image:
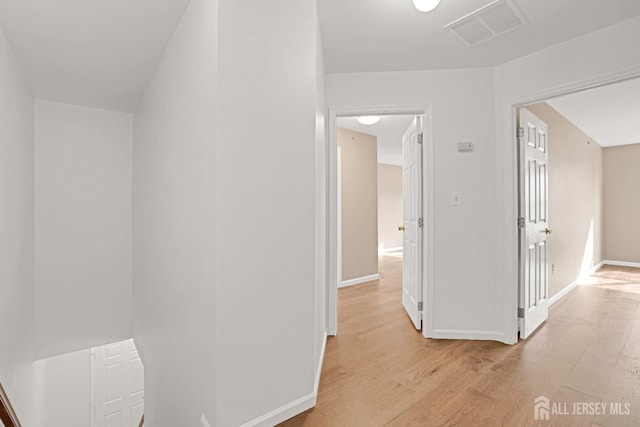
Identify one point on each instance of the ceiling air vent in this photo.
(496, 18)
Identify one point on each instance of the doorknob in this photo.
(401, 228)
(547, 231)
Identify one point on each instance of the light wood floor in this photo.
(380, 371)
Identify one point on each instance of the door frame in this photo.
(509, 160)
(333, 275)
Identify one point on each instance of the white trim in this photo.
(387, 250)
(284, 412)
(359, 280)
(460, 334)
(554, 299)
(597, 267)
(621, 263)
(93, 386)
(338, 260)
(507, 180)
(316, 385)
(333, 226)
(296, 407)
(428, 242)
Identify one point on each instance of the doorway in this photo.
(414, 156)
(592, 151)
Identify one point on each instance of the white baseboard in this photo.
(457, 334)
(384, 251)
(597, 267)
(621, 263)
(554, 299)
(296, 407)
(284, 412)
(316, 385)
(359, 280)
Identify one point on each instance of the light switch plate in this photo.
(465, 147)
(456, 198)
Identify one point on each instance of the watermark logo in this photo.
(541, 408)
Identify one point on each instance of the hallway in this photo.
(380, 371)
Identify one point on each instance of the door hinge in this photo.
(420, 138)
(521, 312)
(420, 222)
(420, 306)
(521, 222)
(520, 132)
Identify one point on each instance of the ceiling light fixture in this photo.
(425, 5)
(368, 120)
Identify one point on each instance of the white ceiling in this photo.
(101, 53)
(391, 35)
(389, 131)
(90, 52)
(608, 114)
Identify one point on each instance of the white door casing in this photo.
(117, 385)
(339, 206)
(534, 212)
(427, 271)
(412, 221)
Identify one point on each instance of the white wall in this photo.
(465, 277)
(66, 390)
(610, 53)
(262, 186)
(83, 267)
(16, 234)
(265, 206)
(174, 218)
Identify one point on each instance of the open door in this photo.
(117, 385)
(533, 222)
(412, 221)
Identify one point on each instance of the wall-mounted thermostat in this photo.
(465, 147)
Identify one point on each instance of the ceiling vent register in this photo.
(488, 22)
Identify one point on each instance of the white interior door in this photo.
(117, 385)
(412, 221)
(533, 222)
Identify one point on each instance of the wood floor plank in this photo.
(380, 371)
(623, 388)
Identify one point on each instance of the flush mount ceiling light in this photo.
(368, 120)
(425, 5)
